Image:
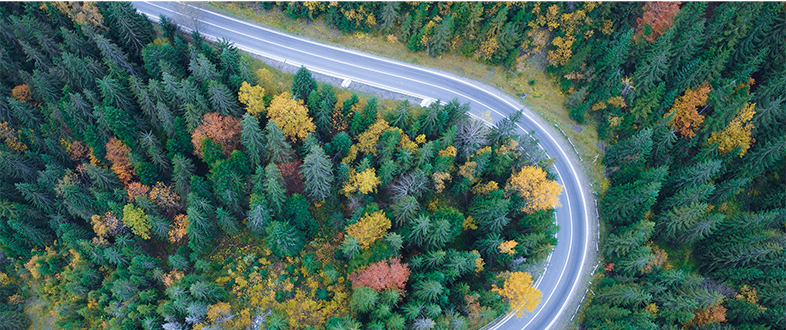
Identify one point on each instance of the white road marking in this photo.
(346, 83)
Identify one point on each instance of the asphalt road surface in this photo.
(563, 277)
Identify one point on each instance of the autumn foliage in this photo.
(686, 118)
(178, 230)
(531, 184)
(369, 229)
(164, 197)
(252, 96)
(364, 182)
(708, 315)
(291, 116)
(135, 190)
(11, 137)
(225, 131)
(521, 295)
(737, 134)
(293, 179)
(117, 153)
(657, 17)
(21, 93)
(382, 275)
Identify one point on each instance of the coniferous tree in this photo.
(303, 84)
(317, 171)
(278, 149)
(274, 188)
(252, 139)
(283, 239)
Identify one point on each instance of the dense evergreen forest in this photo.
(152, 180)
(690, 96)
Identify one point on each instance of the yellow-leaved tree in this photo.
(291, 116)
(508, 247)
(364, 182)
(367, 141)
(531, 184)
(519, 292)
(252, 96)
(369, 229)
(135, 218)
(737, 134)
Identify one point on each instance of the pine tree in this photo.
(625, 204)
(221, 99)
(252, 139)
(317, 171)
(258, 216)
(303, 84)
(201, 69)
(227, 222)
(283, 239)
(389, 15)
(404, 210)
(278, 149)
(274, 188)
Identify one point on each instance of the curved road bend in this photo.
(563, 275)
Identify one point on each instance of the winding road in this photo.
(566, 272)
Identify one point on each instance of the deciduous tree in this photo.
(531, 184)
(657, 18)
(370, 228)
(363, 182)
(737, 134)
(291, 116)
(390, 273)
(223, 130)
(684, 115)
(252, 96)
(520, 293)
(135, 218)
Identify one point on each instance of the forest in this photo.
(689, 97)
(152, 179)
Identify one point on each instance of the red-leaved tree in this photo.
(293, 179)
(385, 274)
(225, 131)
(657, 17)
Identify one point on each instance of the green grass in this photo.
(545, 98)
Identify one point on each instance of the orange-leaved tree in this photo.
(225, 131)
(381, 275)
(370, 228)
(685, 117)
(531, 184)
(656, 19)
(178, 230)
(117, 153)
(21, 93)
(291, 116)
(519, 292)
(714, 313)
(738, 133)
(164, 197)
(136, 190)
